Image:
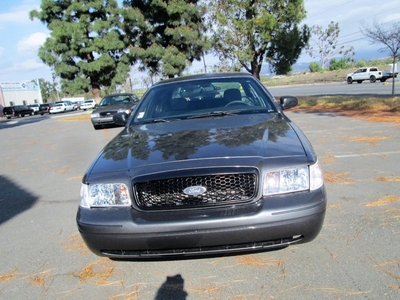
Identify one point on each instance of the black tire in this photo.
(349, 80)
(19, 115)
(8, 117)
(32, 113)
(359, 81)
(372, 79)
(383, 79)
(97, 127)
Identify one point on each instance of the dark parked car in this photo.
(110, 105)
(203, 175)
(17, 111)
(44, 108)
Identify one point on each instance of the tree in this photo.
(286, 46)
(389, 38)
(326, 44)
(46, 89)
(86, 47)
(244, 30)
(169, 34)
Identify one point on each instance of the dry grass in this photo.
(80, 117)
(9, 276)
(374, 109)
(308, 78)
(384, 201)
(325, 76)
(337, 178)
(388, 179)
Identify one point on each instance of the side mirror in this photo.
(288, 102)
(120, 118)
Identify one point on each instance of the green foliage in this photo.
(315, 67)
(86, 47)
(324, 44)
(165, 35)
(243, 31)
(46, 89)
(286, 46)
(361, 63)
(340, 64)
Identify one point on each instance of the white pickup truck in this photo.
(368, 73)
(372, 74)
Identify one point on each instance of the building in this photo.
(19, 93)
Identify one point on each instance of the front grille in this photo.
(108, 113)
(220, 190)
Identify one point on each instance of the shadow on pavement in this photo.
(172, 288)
(16, 122)
(13, 199)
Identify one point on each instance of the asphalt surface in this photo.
(377, 89)
(356, 255)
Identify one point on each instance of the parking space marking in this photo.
(367, 154)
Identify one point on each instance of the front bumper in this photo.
(272, 222)
(103, 120)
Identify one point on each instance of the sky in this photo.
(20, 38)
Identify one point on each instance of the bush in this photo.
(361, 63)
(339, 64)
(315, 67)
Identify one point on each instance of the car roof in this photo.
(120, 94)
(204, 76)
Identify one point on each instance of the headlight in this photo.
(127, 111)
(105, 195)
(95, 115)
(286, 181)
(293, 180)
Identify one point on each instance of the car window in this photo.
(116, 100)
(187, 99)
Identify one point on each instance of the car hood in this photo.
(199, 141)
(115, 107)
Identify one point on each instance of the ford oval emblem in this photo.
(195, 190)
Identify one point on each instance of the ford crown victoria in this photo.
(206, 164)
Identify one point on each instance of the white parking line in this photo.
(367, 154)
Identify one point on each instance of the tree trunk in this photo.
(95, 89)
(394, 73)
(255, 69)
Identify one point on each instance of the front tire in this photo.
(372, 79)
(359, 81)
(97, 127)
(349, 80)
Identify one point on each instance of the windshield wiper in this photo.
(158, 121)
(215, 113)
(162, 120)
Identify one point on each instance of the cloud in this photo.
(25, 66)
(31, 44)
(29, 65)
(19, 14)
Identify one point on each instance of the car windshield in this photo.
(116, 100)
(188, 99)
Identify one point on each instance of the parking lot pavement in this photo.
(356, 255)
